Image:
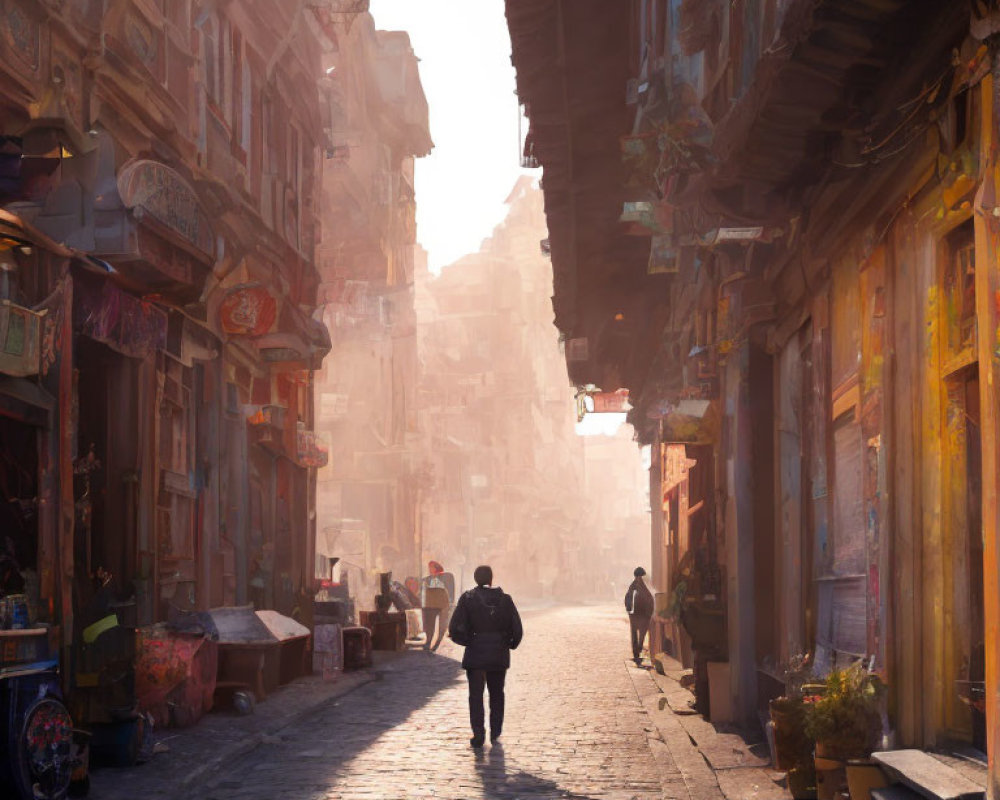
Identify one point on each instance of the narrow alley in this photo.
(575, 728)
(317, 314)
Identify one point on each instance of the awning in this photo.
(692, 422)
(25, 401)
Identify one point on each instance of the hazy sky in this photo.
(464, 52)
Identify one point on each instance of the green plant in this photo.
(677, 597)
(844, 715)
(792, 747)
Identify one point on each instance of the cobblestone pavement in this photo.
(194, 752)
(575, 728)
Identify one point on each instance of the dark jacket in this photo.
(639, 600)
(486, 622)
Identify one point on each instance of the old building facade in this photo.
(513, 485)
(161, 176)
(377, 123)
(793, 208)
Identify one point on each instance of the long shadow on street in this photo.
(337, 732)
(491, 766)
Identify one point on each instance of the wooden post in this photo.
(987, 227)
(741, 599)
(67, 499)
(660, 579)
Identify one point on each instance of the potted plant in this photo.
(792, 747)
(844, 717)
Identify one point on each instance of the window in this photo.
(661, 28)
(272, 115)
(293, 173)
(209, 57)
(246, 104)
(176, 461)
(146, 41)
(221, 57)
(960, 288)
(227, 50)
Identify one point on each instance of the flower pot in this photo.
(791, 746)
(831, 774)
(862, 777)
(802, 782)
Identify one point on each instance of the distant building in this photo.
(375, 115)
(513, 484)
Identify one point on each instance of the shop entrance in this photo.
(18, 508)
(967, 721)
(962, 540)
(974, 549)
(106, 468)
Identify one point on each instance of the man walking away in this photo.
(487, 624)
(639, 604)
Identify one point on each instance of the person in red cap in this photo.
(438, 593)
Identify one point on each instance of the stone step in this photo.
(897, 792)
(927, 776)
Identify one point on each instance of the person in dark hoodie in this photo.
(639, 604)
(487, 624)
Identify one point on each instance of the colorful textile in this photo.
(175, 675)
(123, 322)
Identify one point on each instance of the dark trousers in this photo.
(640, 627)
(434, 617)
(478, 680)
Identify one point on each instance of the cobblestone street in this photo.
(575, 728)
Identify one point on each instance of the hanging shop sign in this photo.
(640, 211)
(739, 234)
(248, 310)
(312, 450)
(596, 402)
(663, 257)
(691, 422)
(20, 337)
(609, 402)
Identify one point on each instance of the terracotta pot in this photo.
(839, 752)
(831, 774)
(862, 777)
(791, 745)
(802, 782)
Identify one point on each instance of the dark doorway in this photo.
(18, 506)
(974, 553)
(106, 487)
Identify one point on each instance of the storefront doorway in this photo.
(18, 508)
(106, 468)
(966, 721)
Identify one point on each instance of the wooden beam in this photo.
(987, 228)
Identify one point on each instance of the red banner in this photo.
(248, 310)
